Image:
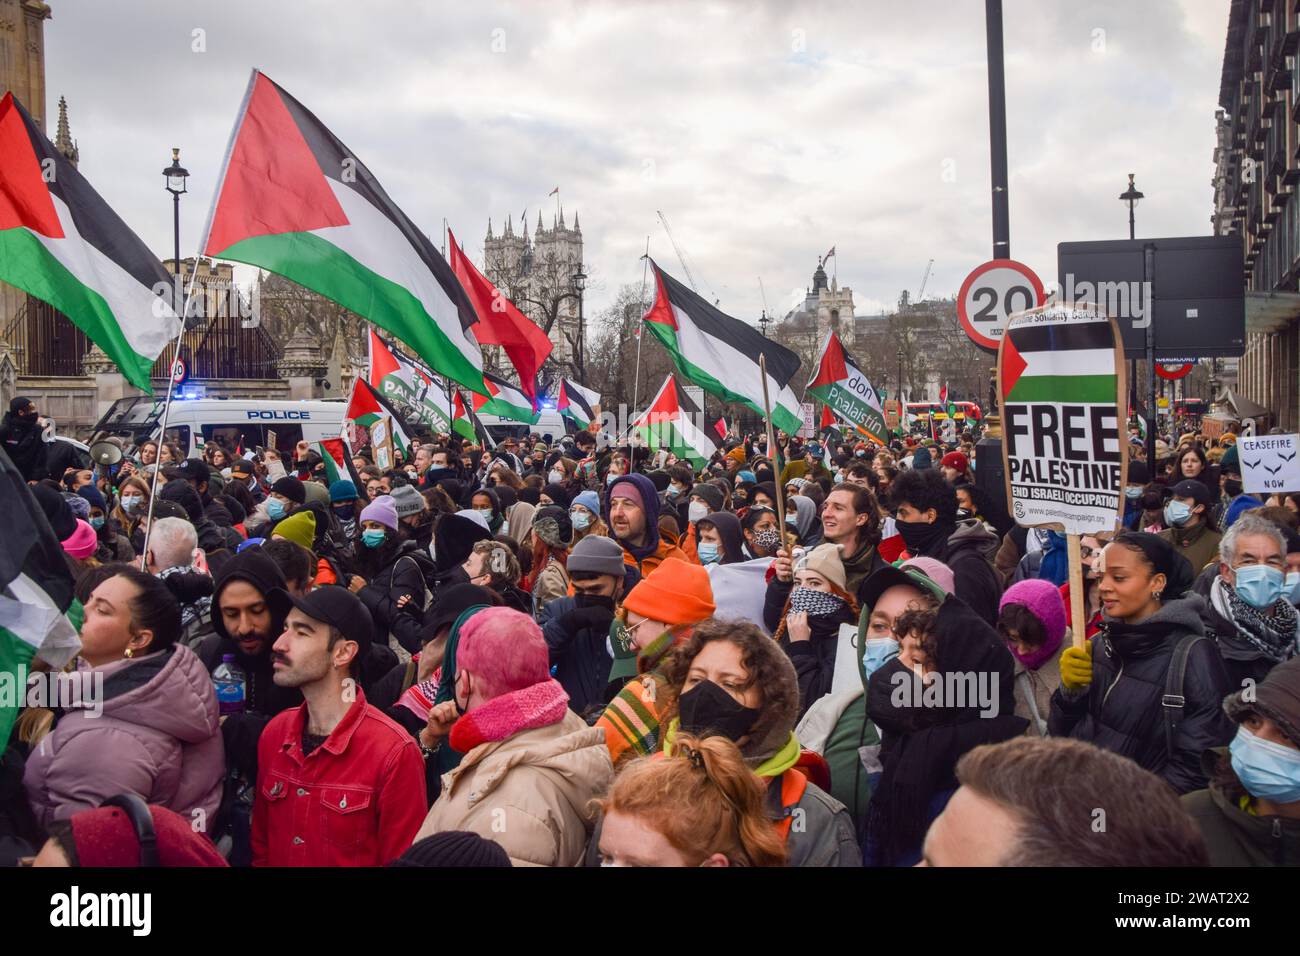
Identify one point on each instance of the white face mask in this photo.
(697, 510)
(556, 476)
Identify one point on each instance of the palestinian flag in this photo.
(462, 421)
(670, 422)
(39, 615)
(410, 389)
(505, 401)
(581, 405)
(336, 455)
(293, 199)
(500, 322)
(1061, 362)
(720, 353)
(846, 391)
(61, 243)
(367, 407)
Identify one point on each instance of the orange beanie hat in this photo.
(676, 592)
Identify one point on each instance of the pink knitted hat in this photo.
(81, 543)
(1043, 599)
(934, 569)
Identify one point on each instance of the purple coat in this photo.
(157, 736)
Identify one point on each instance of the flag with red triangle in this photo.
(293, 199)
(416, 394)
(462, 419)
(61, 243)
(366, 406)
(580, 405)
(500, 322)
(846, 390)
(671, 422)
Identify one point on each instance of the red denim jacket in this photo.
(356, 800)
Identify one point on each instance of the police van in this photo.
(235, 423)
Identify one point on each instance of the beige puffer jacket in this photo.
(531, 792)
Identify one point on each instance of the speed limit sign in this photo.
(180, 372)
(989, 296)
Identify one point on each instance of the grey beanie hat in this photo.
(407, 501)
(596, 554)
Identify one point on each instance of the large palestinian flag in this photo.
(410, 389)
(60, 242)
(500, 322)
(293, 199)
(580, 405)
(505, 401)
(1064, 361)
(367, 406)
(841, 385)
(672, 421)
(720, 353)
(39, 615)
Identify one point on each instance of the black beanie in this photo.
(182, 492)
(291, 488)
(712, 494)
(1138, 474)
(454, 848)
(57, 511)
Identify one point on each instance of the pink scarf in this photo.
(538, 705)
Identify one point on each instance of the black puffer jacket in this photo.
(403, 574)
(969, 553)
(1121, 710)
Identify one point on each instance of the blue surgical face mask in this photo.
(708, 552)
(274, 509)
(131, 502)
(580, 519)
(97, 523)
(877, 652)
(673, 491)
(1259, 585)
(1133, 492)
(1266, 769)
(611, 478)
(1177, 513)
(372, 537)
(486, 513)
(1293, 587)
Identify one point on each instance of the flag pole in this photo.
(167, 407)
(640, 329)
(771, 443)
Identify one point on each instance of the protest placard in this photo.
(1269, 464)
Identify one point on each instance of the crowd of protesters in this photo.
(562, 651)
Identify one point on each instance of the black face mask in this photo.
(593, 600)
(920, 536)
(1231, 487)
(345, 512)
(707, 708)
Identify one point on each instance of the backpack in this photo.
(1173, 700)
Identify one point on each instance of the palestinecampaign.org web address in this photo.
(1204, 923)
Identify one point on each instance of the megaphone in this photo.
(106, 451)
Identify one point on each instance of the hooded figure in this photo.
(928, 723)
(653, 550)
(727, 525)
(454, 538)
(806, 523)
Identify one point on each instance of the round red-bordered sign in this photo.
(180, 372)
(991, 294)
(1174, 371)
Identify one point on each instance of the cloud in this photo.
(766, 133)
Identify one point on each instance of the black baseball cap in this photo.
(333, 605)
(1191, 488)
(241, 466)
(194, 469)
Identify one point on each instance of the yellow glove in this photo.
(1076, 667)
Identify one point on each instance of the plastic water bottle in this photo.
(230, 684)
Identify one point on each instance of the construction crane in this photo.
(681, 257)
(924, 279)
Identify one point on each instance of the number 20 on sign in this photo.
(991, 294)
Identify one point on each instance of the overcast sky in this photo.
(766, 133)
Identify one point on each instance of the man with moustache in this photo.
(339, 783)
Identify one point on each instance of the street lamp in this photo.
(175, 176)
(579, 280)
(900, 374)
(1131, 196)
